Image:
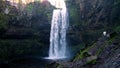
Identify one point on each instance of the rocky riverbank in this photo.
(105, 53)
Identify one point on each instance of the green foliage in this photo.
(99, 50)
(44, 11)
(5, 48)
(110, 40)
(74, 13)
(29, 8)
(117, 29)
(78, 47)
(3, 21)
(59, 66)
(11, 48)
(74, 16)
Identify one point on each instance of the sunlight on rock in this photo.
(24, 1)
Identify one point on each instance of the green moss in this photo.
(83, 54)
(78, 47)
(110, 40)
(59, 66)
(92, 62)
(99, 50)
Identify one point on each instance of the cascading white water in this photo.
(59, 26)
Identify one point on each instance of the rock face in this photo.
(94, 10)
(110, 56)
(89, 18)
(103, 54)
(24, 33)
(111, 60)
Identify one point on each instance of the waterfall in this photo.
(59, 26)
